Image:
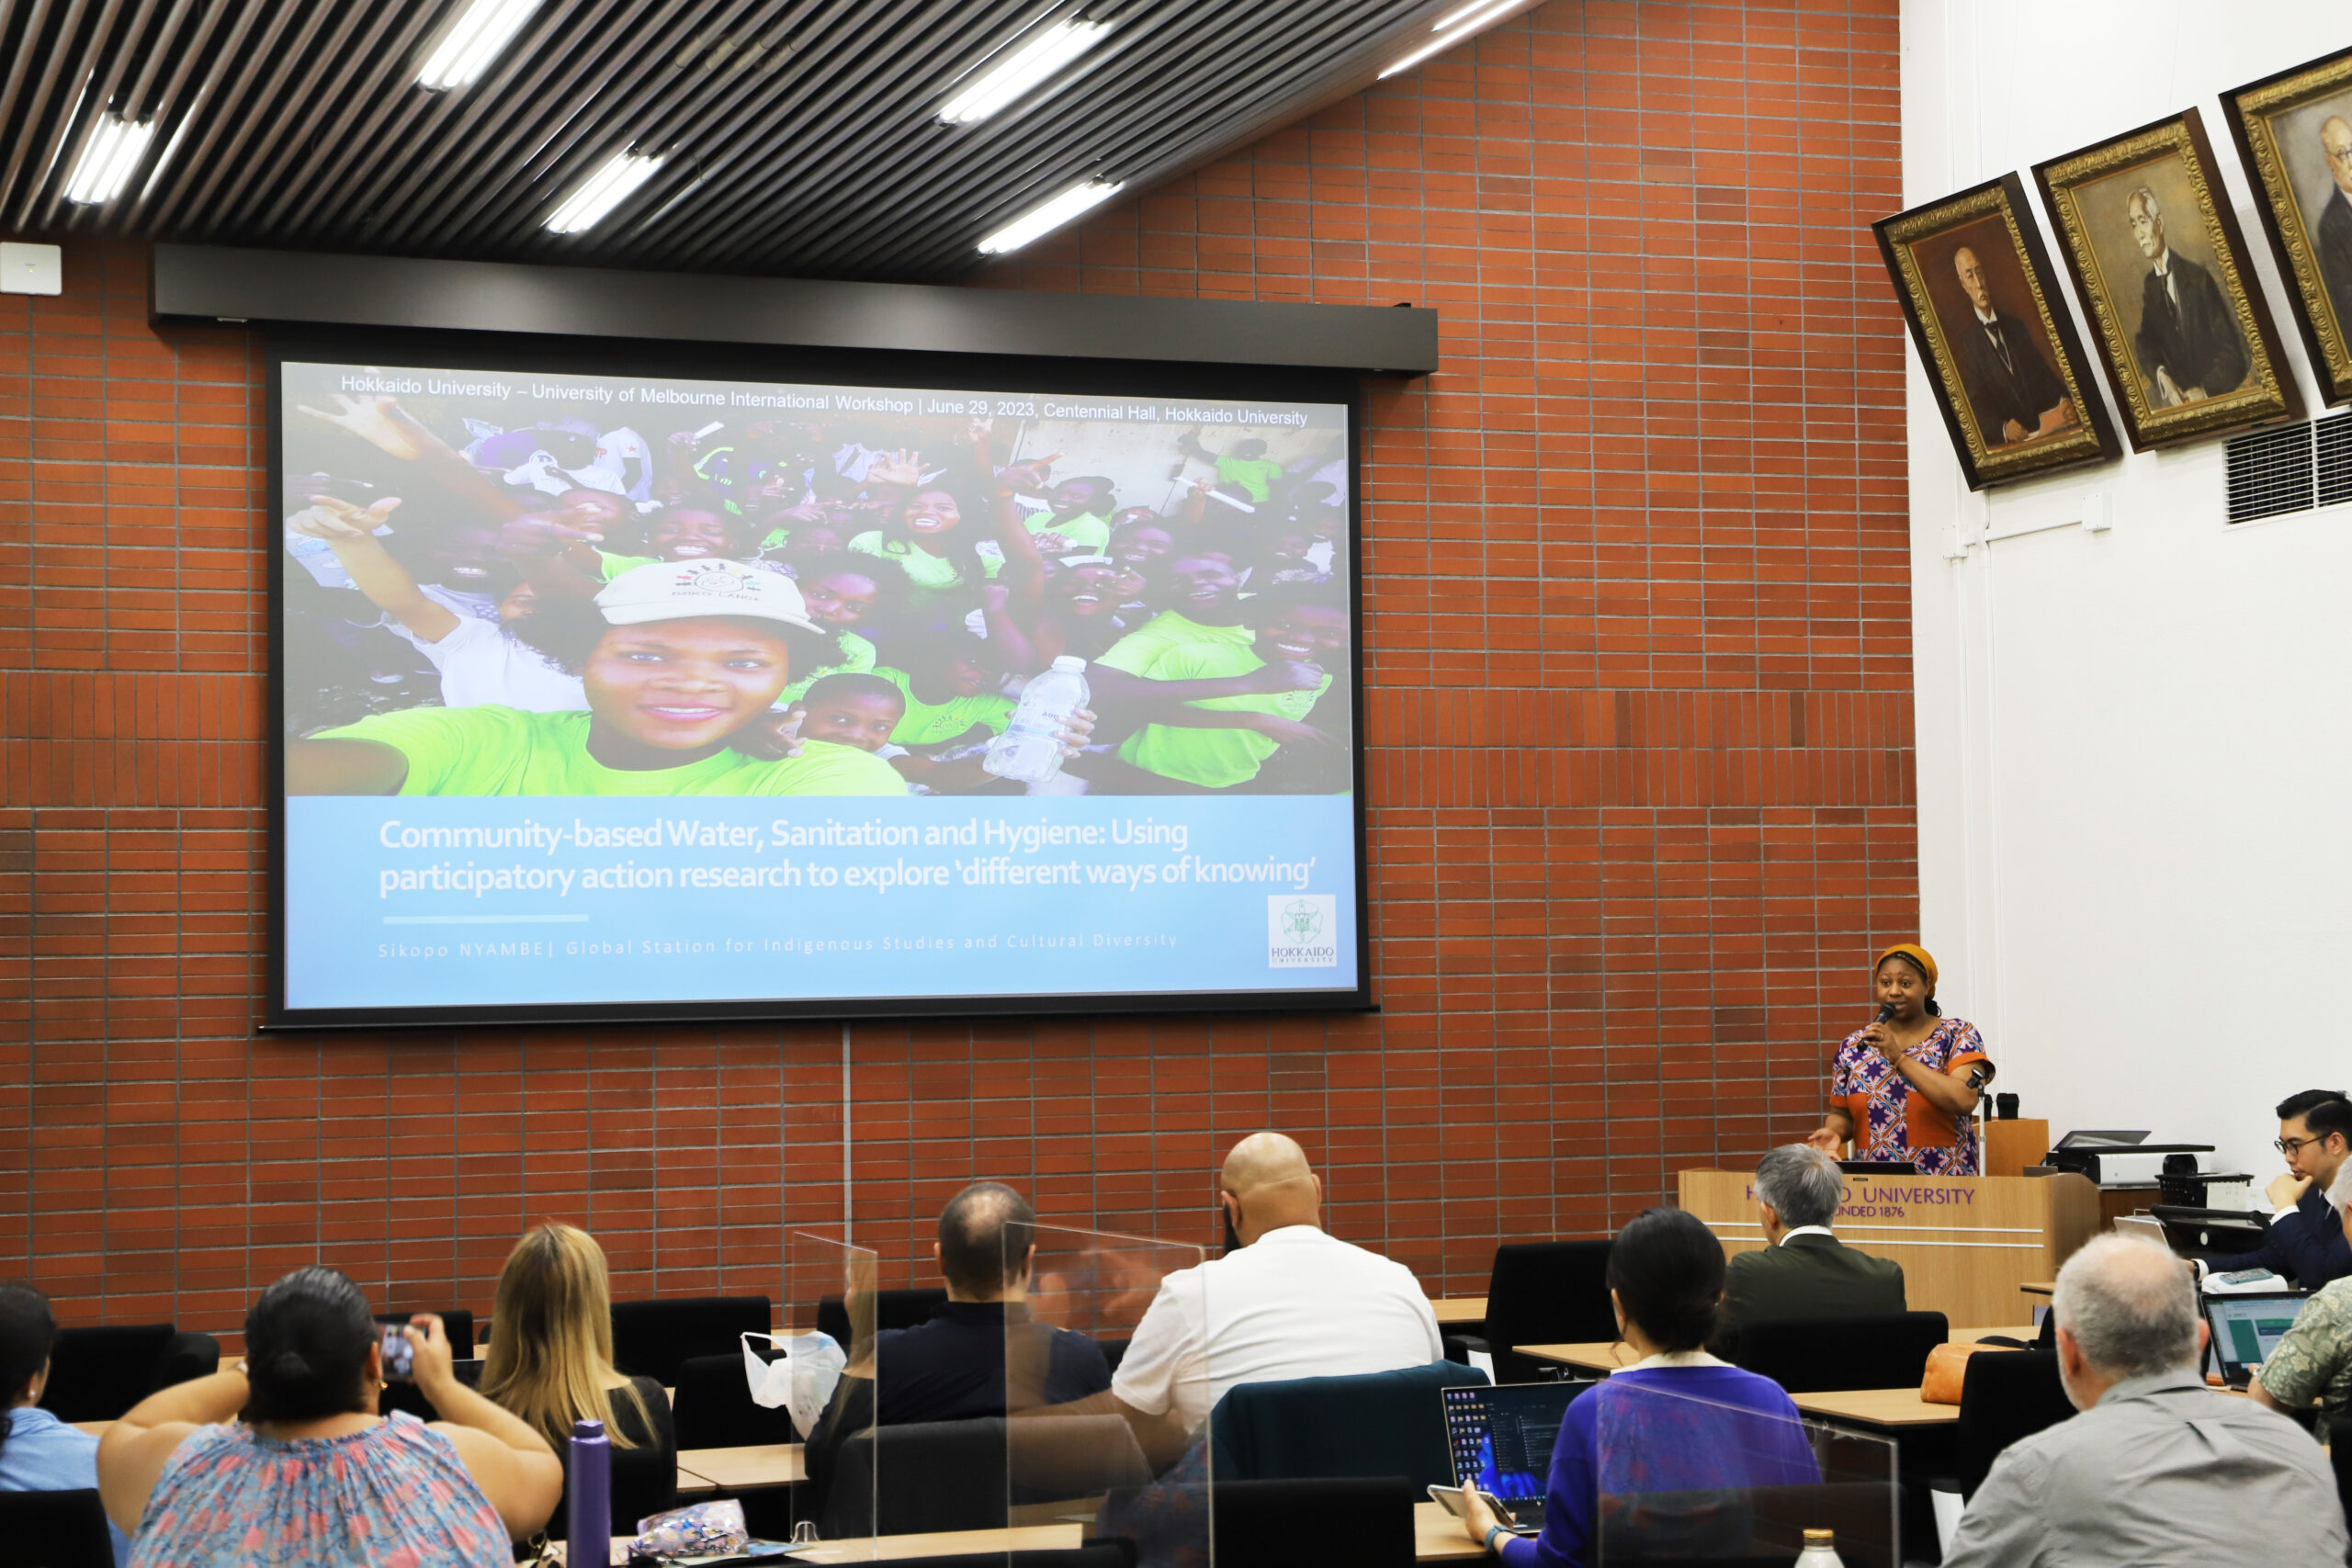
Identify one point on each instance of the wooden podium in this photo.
(1966, 1243)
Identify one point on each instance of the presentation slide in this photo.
(666, 694)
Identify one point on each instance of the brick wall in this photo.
(1639, 726)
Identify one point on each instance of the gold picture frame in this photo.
(2001, 353)
(2293, 131)
(2185, 337)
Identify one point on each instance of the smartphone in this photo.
(1447, 1497)
(400, 1356)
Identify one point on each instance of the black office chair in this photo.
(1541, 1292)
(1093, 1554)
(2004, 1395)
(2339, 1454)
(1364, 1522)
(713, 1406)
(1369, 1424)
(653, 1339)
(457, 1323)
(97, 1374)
(55, 1529)
(1817, 1355)
(952, 1475)
(892, 1309)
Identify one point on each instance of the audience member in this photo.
(287, 1462)
(1803, 1270)
(2313, 1364)
(980, 1355)
(2158, 1469)
(1677, 1420)
(1288, 1300)
(37, 1452)
(2305, 1241)
(551, 1362)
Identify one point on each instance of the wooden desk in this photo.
(1877, 1408)
(1966, 1243)
(760, 1467)
(1603, 1356)
(2040, 1287)
(1453, 1311)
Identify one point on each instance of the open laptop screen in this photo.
(1501, 1437)
(2247, 1329)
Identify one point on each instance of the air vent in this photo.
(2271, 472)
(2334, 437)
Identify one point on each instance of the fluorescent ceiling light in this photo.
(1049, 216)
(1452, 29)
(108, 159)
(605, 189)
(1021, 69)
(468, 47)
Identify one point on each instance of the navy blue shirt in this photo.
(2307, 1245)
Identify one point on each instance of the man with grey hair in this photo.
(2189, 343)
(2158, 1470)
(1803, 1270)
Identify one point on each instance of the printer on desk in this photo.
(2181, 1172)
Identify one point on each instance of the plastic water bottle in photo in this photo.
(1030, 750)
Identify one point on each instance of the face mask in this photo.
(1232, 1238)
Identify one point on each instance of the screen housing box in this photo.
(475, 350)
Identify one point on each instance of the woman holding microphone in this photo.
(1905, 1087)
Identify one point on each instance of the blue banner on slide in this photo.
(423, 902)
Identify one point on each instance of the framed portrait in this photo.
(2008, 372)
(2294, 130)
(2147, 231)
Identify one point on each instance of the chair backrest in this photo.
(712, 1403)
(458, 1323)
(651, 1339)
(97, 1374)
(1364, 1522)
(1546, 1293)
(950, 1476)
(1817, 1355)
(186, 1357)
(55, 1529)
(1375, 1424)
(907, 1308)
(1094, 1555)
(2339, 1453)
(2004, 1396)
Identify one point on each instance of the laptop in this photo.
(2247, 1329)
(1500, 1438)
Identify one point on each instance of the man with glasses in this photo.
(2305, 1240)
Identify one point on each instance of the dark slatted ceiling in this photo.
(801, 136)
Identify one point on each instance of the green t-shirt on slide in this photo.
(1216, 759)
(1254, 475)
(1088, 534)
(502, 750)
(923, 568)
(927, 724)
(1167, 632)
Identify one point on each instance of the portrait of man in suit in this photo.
(2189, 344)
(2012, 390)
(2332, 235)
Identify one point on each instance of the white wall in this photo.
(2136, 745)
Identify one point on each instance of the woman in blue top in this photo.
(1677, 1421)
(37, 1452)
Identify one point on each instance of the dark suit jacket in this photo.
(2332, 242)
(2022, 387)
(1805, 1276)
(2198, 340)
(2308, 1245)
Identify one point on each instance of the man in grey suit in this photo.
(1803, 1270)
(2188, 342)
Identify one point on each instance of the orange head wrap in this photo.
(1916, 954)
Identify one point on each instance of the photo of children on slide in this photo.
(523, 595)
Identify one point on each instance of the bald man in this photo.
(1287, 1300)
(2332, 235)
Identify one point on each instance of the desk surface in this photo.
(1604, 1355)
(1877, 1408)
(1437, 1538)
(2040, 1287)
(752, 1469)
(1453, 1312)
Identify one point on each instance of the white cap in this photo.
(677, 590)
(1069, 664)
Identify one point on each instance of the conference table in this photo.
(1458, 1311)
(1611, 1356)
(1438, 1537)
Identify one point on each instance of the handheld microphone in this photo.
(1885, 1011)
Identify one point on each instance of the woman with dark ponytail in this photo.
(1677, 1420)
(284, 1460)
(37, 1452)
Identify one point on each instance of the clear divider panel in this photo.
(833, 1391)
(1690, 1479)
(1075, 1465)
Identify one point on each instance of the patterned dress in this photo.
(1895, 1121)
(395, 1496)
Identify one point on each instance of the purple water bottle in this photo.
(588, 1510)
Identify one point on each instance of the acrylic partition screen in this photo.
(1693, 1480)
(833, 1290)
(1074, 1462)
(619, 694)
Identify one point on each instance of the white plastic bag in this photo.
(801, 1381)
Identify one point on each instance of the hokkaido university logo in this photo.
(1302, 931)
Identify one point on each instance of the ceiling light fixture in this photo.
(468, 47)
(1451, 28)
(604, 190)
(1021, 69)
(1046, 217)
(108, 159)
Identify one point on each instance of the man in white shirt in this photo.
(1288, 1301)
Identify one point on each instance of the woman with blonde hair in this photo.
(550, 1361)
